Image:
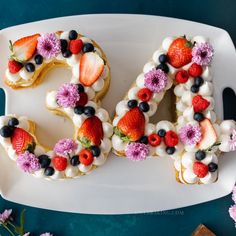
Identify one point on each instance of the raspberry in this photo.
(199, 103)
(171, 139)
(154, 139)
(200, 169)
(195, 70)
(76, 46)
(181, 77)
(60, 163)
(14, 66)
(86, 157)
(144, 94)
(82, 100)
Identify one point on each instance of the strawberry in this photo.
(199, 103)
(195, 70)
(144, 94)
(22, 141)
(181, 77)
(76, 46)
(86, 157)
(82, 100)
(209, 136)
(91, 132)
(23, 49)
(154, 140)
(91, 67)
(200, 169)
(180, 52)
(14, 66)
(60, 163)
(131, 125)
(171, 139)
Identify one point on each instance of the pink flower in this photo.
(232, 212)
(155, 80)
(27, 234)
(202, 54)
(232, 142)
(190, 134)
(28, 162)
(5, 216)
(65, 146)
(67, 95)
(49, 45)
(137, 151)
(46, 234)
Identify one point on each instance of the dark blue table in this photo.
(177, 222)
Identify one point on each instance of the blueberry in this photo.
(163, 67)
(212, 167)
(194, 88)
(73, 35)
(144, 106)
(132, 103)
(74, 161)
(198, 116)
(144, 140)
(80, 88)
(88, 47)
(38, 59)
(89, 111)
(95, 151)
(161, 133)
(200, 155)
(64, 45)
(13, 122)
(198, 81)
(79, 110)
(49, 171)
(170, 150)
(6, 131)
(30, 67)
(162, 58)
(66, 54)
(44, 161)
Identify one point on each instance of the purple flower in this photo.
(232, 141)
(137, 151)
(155, 80)
(28, 162)
(232, 212)
(65, 146)
(46, 234)
(49, 45)
(202, 54)
(5, 216)
(190, 134)
(67, 95)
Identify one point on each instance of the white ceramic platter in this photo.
(120, 186)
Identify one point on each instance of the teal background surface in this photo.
(175, 222)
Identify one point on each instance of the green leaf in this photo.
(85, 142)
(121, 135)
(212, 146)
(188, 44)
(10, 46)
(20, 229)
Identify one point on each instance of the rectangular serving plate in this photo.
(120, 186)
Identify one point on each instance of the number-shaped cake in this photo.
(197, 138)
(79, 100)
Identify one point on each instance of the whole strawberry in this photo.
(180, 52)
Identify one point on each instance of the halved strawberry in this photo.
(131, 126)
(209, 136)
(91, 67)
(91, 132)
(180, 52)
(22, 141)
(23, 49)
